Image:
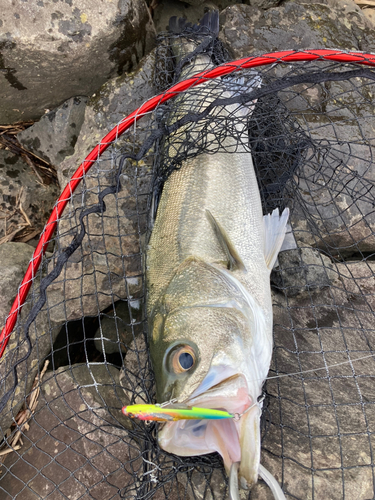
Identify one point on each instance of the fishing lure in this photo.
(172, 413)
(167, 412)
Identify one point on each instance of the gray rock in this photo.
(248, 30)
(192, 12)
(302, 269)
(319, 421)
(54, 136)
(14, 259)
(264, 4)
(333, 211)
(20, 190)
(118, 327)
(72, 448)
(75, 47)
(112, 103)
(134, 374)
(370, 14)
(107, 266)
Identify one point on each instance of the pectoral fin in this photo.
(274, 228)
(234, 260)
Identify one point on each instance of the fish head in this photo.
(209, 356)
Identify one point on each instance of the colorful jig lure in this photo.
(163, 413)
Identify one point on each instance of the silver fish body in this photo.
(208, 293)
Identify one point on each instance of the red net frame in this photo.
(129, 121)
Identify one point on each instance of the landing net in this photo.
(312, 137)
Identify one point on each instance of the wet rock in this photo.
(248, 30)
(75, 47)
(14, 259)
(118, 327)
(21, 193)
(72, 449)
(302, 269)
(108, 264)
(54, 136)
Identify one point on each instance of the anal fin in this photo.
(234, 260)
(274, 228)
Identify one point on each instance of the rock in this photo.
(318, 426)
(331, 208)
(134, 377)
(112, 103)
(54, 136)
(248, 30)
(21, 191)
(193, 12)
(72, 447)
(112, 245)
(264, 4)
(14, 259)
(302, 269)
(370, 14)
(75, 46)
(117, 329)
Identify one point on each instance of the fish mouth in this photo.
(235, 439)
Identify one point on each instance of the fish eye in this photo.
(183, 359)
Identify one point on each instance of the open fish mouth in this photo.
(236, 439)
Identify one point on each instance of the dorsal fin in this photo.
(234, 260)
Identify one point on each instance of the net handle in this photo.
(286, 56)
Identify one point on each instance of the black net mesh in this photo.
(311, 134)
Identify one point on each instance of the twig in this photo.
(371, 3)
(9, 450)
(26, 413)
(10, 237)
(31, 164)
(24, 214)
(28, 236)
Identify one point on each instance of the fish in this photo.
(208, 264)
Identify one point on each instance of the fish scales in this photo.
(225, 184)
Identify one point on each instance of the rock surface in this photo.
(248, 30)
(301, 270)
(50, 52)
(118, 327)
(115, 257)
(319, 419)
(54, 136)
(339, 220)
(72, 450)
(21, 193)
(14, 259)
(106, 108)
(334, 208)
